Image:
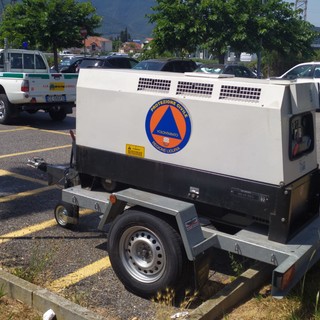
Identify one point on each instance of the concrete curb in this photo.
(234, 293)
(42, 299)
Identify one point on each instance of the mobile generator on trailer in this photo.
(187, 158)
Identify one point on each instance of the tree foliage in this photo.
(48, 24)
(177, 26)
(124, 35)
(243, 25)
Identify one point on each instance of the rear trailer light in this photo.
(113, 199)
(25, 86)
(301, 135)
(283, 280)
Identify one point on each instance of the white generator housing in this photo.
(235, 145)
(239, 127)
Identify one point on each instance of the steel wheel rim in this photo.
(142, 254)
(61, 215)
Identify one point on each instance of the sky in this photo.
(313, 11)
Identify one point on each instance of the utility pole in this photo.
(263, 2)
(302, 5)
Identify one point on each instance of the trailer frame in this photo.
(291, 261)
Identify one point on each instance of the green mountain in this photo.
(120, 14)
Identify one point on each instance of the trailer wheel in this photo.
(147, 253)
(57, 113)
(109, 185)
(64, 213)
(5, 109)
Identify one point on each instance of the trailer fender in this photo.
(184, 213)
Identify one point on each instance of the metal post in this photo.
(260, 49)
(259, 60)
(84, 33)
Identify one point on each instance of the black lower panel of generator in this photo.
(218, 195)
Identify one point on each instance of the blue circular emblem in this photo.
(168, 126)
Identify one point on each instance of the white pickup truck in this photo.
(26, 84)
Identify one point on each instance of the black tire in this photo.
(57, 113)
(146, 253)
(5, 109)
(64, 210)
(108, 184)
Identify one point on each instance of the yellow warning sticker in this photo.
(135, 151)
(56, 86)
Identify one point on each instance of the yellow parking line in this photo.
(30, 128)
(13, 130)
(19, 176)
(26, 231)
(80, 274)
(34, 151)
(34, 228)
(50, 131)
(16, 196)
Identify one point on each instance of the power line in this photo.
(302, 5)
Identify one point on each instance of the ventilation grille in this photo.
(148, 84)
(240, 93)
(195, 89)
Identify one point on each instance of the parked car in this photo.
(113, 61)
(71, 66)
(307, 70)
(171, 65)
(66, 62)
(235, 69)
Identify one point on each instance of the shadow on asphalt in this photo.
(42, 120)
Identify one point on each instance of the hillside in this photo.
(120, 14)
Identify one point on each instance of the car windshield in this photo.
(66, 62)
(149, 65)
(304, 71)
(90, 63)
(210, 69)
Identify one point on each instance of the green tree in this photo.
(48, 24)
(176, 26)
(243, 25)
(116, 44)
(270, 25)
(219, 26)
(125, 36)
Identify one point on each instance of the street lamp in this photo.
(263, 2)
(84, 33)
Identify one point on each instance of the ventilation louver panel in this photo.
(194, 89)
(150, 84)
(240, 93)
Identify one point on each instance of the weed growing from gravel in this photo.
(2, 291)
(165, 303)
(237, 267)
(79, 297)
(37, 268)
